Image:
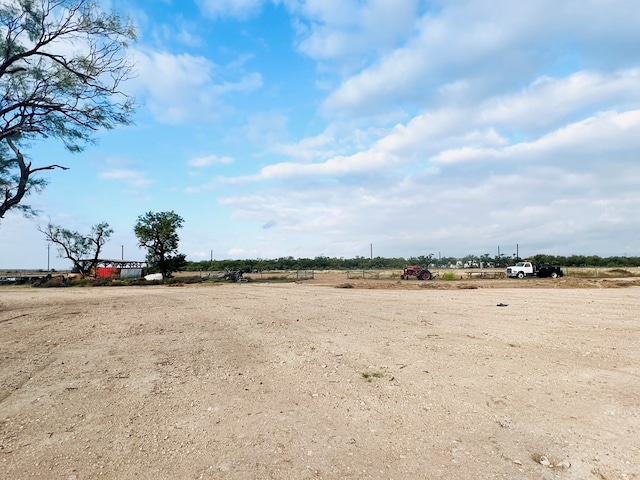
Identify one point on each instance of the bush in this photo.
(619, 272)
(51, 284)
(173, 280)
(136, 282)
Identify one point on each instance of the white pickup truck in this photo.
(528, 269)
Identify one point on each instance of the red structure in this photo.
(106, 272)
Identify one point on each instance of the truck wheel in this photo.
(520, 274)
(554, 274)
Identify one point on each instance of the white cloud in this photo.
(309, 148)
(361, 162)
(131, 177)
(597, 135)
(338, 30)
(485, 47)
(551, 192)
(184, 88)
(185, 35)
(240, 9)
(530, 108)
(236, 252)
(266, 128)
(210, 160)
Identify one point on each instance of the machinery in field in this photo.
(233, 276)
(416, 271)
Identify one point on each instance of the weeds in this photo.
(369, 376)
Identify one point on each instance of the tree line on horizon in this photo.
(378, 263)
(158, 233)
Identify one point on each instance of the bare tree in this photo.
(82, 250)
(62, 63)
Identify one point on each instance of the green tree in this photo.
(82, 250)
(61, 66)
(158, 233)
(501, 261)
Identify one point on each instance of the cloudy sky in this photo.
(324, 127)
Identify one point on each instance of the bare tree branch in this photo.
(61, 66)
(14, 191)
(82, 250)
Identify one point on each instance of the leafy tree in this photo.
(157, 232)
(82, 250)
(447, 261)
(470, 261)
(61, 66)
(485, 259)
(173, 263)
(501, 261)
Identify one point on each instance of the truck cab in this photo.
(521, 270)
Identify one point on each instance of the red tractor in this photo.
(416, 271)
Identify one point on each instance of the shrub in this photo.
(174, 280)
(369, 376)
(51, 284)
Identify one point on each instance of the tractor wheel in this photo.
(425, 275)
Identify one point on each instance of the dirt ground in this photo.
(331, 378)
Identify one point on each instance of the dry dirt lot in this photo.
(385, 380)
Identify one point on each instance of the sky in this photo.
(342, 128)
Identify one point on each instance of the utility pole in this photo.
(122, 255)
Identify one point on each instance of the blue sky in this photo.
(322, 127)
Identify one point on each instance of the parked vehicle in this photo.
(528, 269)
(416, 271)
